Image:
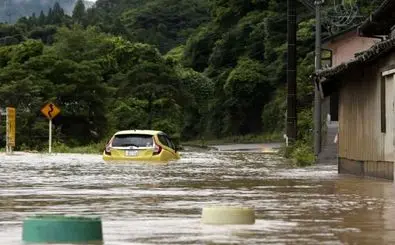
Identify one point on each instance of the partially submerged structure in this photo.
(365, 85)
(337, 49)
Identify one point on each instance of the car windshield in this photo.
(138, 140)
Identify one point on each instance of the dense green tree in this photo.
(22, 8)
(49, 19)
(57, 14)
(223, 72)
(41, 18)
(165, 27)
(199, 47)
(45, 33)
(79, 12)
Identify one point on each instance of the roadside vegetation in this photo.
(203, 71)
(245, 139)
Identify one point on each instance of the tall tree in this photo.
(49, 19)
(79, 12)
(165, 27)
(58, 14)
(41, 18)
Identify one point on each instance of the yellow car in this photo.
(140, 145)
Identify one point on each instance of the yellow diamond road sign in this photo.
(50, 111)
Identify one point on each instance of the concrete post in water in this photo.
(228, 215)
(317, 96)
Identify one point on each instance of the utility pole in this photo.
(291, 71)
(317, 96)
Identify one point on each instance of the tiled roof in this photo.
(380, 21)
(371, 54)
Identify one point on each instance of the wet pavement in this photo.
(161, 204)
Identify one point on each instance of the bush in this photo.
(94, 148)
(303, 155)
(300, 153)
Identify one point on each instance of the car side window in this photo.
(172, 146)
(163, 140)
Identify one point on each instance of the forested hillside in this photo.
(12, 10)
(193, 68)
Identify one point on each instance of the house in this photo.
(337, 49)
(365, 85)
(342, 48)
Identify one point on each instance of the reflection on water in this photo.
(161, 204)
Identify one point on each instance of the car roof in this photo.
(136, 131)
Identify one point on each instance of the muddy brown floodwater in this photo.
(161, 204)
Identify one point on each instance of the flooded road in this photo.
(161, 204)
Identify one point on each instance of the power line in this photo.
(337, 16)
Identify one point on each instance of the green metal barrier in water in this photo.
(62, 229)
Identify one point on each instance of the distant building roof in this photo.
(380, 21)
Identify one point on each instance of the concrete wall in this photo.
(374, 169)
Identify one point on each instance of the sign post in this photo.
(50, 111)
(50, 136)
(10, 129)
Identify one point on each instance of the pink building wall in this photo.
(346, 45)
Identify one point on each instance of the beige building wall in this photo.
(367, 99)
(360, 136)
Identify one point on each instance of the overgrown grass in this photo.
(300, 153)
(96, 148)
(240, 139)
(59, 147)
